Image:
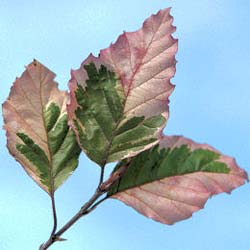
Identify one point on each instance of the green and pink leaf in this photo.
(174, 179)
(119, 101)
(38, 136)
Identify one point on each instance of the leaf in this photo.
(119, 101)
(175, 178)
(38, 135)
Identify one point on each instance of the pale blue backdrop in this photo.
(211, 103)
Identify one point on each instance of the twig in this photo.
(81, 212)
(88, 207)
(96, 204)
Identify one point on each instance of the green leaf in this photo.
(175, 178)
(37, 130)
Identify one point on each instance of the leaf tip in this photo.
(34, 62)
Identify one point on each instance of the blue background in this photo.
(211, 103)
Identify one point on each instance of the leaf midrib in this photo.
(141, 64)
(51, 181)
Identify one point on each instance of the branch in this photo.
(82, 211)
(114, 177)
(89, 206)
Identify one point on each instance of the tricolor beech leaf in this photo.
(119, 101)
(116, 111)
(175, 178)
(38, 135)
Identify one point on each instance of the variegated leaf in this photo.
(175, 178)
(38, 135)
(119, 101)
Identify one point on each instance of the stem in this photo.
(97, 204)
(102, 175)
(83, 211)
(88, 207)
(52, 235)
(54, 215)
